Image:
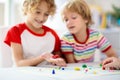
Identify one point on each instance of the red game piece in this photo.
(55, 56)
(103, 68)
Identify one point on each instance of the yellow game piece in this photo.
(94, 72)
(77, 68)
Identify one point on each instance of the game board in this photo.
(70, 72)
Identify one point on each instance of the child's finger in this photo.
(60, 62)
(109, 60)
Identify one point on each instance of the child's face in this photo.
(74, 22)
(39, 16)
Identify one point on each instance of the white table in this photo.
(17, 74)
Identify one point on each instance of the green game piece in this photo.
(100, 65)
(84, 66)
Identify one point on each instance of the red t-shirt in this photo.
(33, 44)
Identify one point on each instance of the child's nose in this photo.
(41, 18)
(69, 22)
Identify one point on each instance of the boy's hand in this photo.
(58, 62)
(54, 59)
(111, 63)
(46, 56)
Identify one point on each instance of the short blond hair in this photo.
(80, 7)
(31, 5)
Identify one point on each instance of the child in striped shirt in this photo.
(80, 43)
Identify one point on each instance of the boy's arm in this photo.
(110, 52)
(70, 58)
(19, 60)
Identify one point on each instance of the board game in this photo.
(75, 72)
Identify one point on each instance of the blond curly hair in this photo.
(31, 5)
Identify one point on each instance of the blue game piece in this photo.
(63, 68)
(53, 71)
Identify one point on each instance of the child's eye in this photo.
(38, 12)
(46, 14)
(65, 20)
(74, 17)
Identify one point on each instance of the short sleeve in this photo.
(103, 43)
(57, 41)
(66, 45)
(12, 35)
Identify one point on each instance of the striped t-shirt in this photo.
(84, 52)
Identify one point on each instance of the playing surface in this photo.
(69, 72)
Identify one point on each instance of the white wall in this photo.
(56, 23)
(5, 52)
(105, 4)
(2, 14)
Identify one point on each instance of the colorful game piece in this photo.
(77, 68)
(86, 69)
(84, 66)
(58, 68)
(55, 56)
(100, 65)
(94, 72)
(53, 71)
(103, 68)
(90, 68)
(63, 68)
